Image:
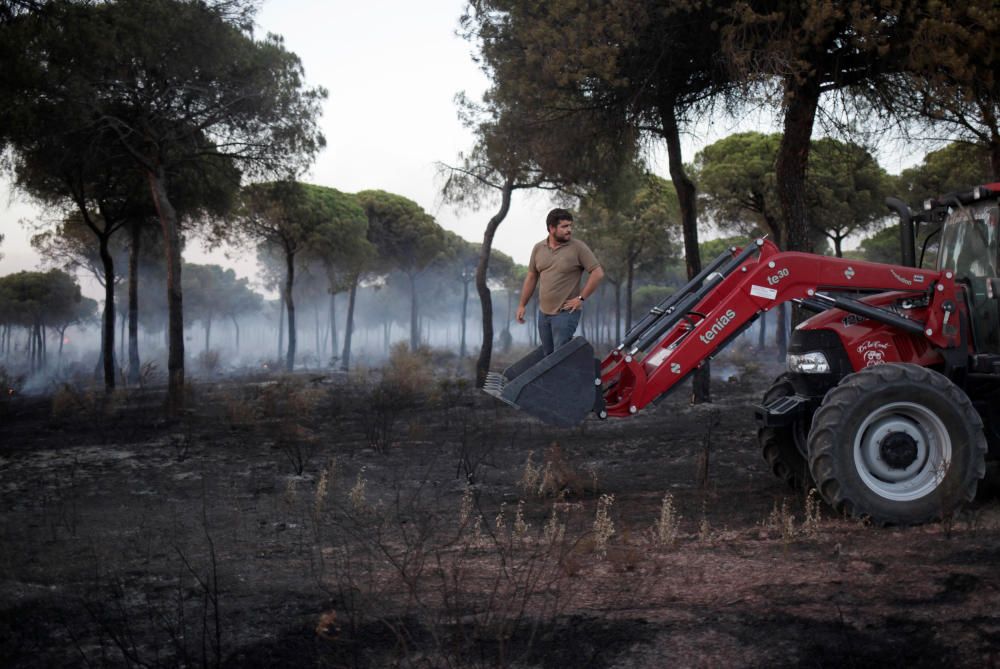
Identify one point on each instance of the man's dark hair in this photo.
(556, 215)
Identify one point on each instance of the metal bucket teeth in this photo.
(558, 389)
(494, 383)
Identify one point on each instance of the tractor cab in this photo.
(970, 247)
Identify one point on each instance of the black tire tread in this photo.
(777, 444)
(824, 434)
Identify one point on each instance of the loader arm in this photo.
(696, 323)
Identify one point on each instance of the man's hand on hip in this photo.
(572, 304)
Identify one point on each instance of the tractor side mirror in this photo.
(993, 288)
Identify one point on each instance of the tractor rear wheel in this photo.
(783, 447)
(897, 443)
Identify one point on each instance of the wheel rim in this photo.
(902, 451)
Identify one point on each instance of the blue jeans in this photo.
(557, 329)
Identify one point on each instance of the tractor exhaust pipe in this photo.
(906, 230)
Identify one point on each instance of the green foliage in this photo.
(340, 242)
(647, 297)
(588, 96)
(636, 230)
(50, 298)
(799, 53)
(882, 246)
(406, 237)
(845, 187)
(72, 246)
(953, 76)
(158, 85)
(736, 178)
(213, 292)
(956, 167)
(713, 248)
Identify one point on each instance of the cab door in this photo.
(969, 247)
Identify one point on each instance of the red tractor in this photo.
(888, 404)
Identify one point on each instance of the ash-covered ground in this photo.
(405, 519)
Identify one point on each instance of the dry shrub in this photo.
(209, 361)
(409, 373)
(747, 362)
(452, 391)
(297, 443)
(150, 374)
(604, 526)
(666, 530)
(558, 476)
(780, 522)
(289, 397)
(241, 413)
(406, 382)
(286, 407)
(272, 365)
(625, 556)
(10, 384)
(69, 402)
(327, 626)
(75, 402)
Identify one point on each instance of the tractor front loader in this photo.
(889, 403)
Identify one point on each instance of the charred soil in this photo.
(370, 521)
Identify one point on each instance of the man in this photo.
(556, 265)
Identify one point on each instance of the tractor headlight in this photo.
(813, 362)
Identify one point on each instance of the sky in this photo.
(392, 69)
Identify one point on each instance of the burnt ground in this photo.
(334, 521)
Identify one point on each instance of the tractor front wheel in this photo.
(783, 448)
(898, 443)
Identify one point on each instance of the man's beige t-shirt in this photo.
(559, 271)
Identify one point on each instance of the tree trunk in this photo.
(506, 328)
(208, 332)
(290, 306)
(790, 172)
(781, 332)
(133, 303)
(686, 198)
(345, 358)
(317, 330)
(62, 340)
(414, 325)
(486, 351)
(236, 326)
(629, 280)
(281, 325)
(995, 158)
(986, 111)
(121, 336)
(108, 331)
(618, 311)
(762, 333)
(175, 295)
(599, 318)
(333, 325)
(465, 314)
(802, 100)
(33, 347)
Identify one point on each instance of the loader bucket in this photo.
(559, 389)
